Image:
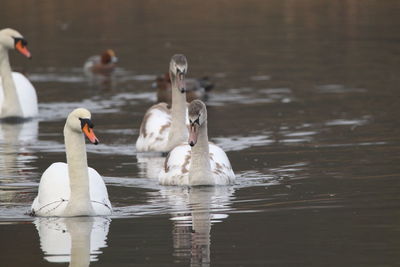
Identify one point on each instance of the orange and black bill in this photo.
(20, 45)
(87, 129)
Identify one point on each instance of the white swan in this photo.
(18, 98)
(201, 163)
(162, 128)
(73, 189)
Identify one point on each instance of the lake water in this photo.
(306, 105)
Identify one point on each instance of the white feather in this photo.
(177, 166)
(152, 136)
(54, 192)
(26, 95)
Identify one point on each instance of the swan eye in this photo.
(86, 121)
(195, 121)
(22, 40)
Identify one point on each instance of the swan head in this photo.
(108, 57)
(79, 121)
(197, 117)
(177, 70)
(11, 39)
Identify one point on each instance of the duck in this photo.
(164, 127)
(197, 162)
(72, 188)
(195, 88)
(103, 64)
(18, 98)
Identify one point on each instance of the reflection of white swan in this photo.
(195, 210)
(76, 240)
(73, 189)
(149, 165)
(16, 155)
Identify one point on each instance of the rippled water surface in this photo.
(306, 105)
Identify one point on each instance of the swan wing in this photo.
(220, 166)
(98, 193)
(176, 166)
(26, 95)
(154, 129)
(54, 191)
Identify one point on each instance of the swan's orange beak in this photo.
(23, 49)
(193, 133)
(90, 134)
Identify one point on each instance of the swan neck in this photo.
(178, 132)
(200, 168)
(79, 202)
(11, 106)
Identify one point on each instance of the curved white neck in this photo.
(11, 106)
(79, 201)
(178, 132)
(200, 168)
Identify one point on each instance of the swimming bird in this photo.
(162, 128)
(73, 189)
(18, 99)
(195, 88)
(103, 64)
(198, 162)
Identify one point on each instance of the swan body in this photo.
(26, 95)
(18, 97)
(73, 189)
(54, 192)
(155, 128)
(199, 162)
(162, 128)
(178, 163)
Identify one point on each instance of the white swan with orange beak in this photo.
(18, 99)
(73, 189)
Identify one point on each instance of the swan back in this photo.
(54, 192)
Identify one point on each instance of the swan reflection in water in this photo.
(16, 156)
(195, 210)
(76, 240)
(150, 164)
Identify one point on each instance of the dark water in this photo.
(306, 106)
